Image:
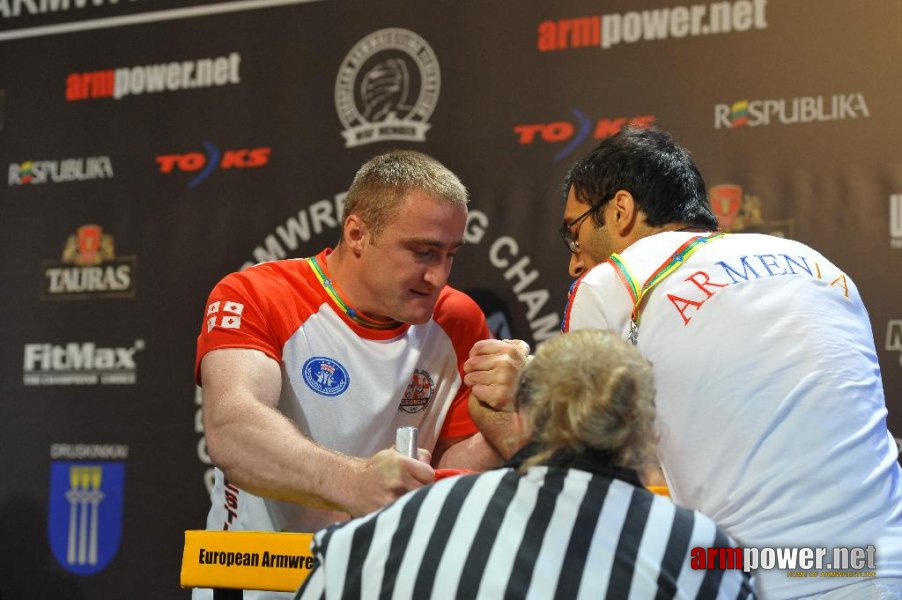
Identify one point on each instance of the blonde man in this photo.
(566, 518)
(309, 366)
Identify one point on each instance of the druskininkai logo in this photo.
(86, 506)
(387, 88)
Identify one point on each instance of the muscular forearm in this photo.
(264, 453)
(473, 453)
(497, 427)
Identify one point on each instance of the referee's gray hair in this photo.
(589, 388)
(383, 181)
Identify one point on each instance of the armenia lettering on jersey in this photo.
(746, 269)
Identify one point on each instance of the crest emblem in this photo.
(85, 522)
(325, 376)
(725, 202)
(419, 392)
(387, 88)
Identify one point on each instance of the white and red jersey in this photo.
(347, 382)
(769, 397)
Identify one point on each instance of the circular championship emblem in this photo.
(419, 392)
(387, 88)
(325, 376)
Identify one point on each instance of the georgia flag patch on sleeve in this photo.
(225, 314)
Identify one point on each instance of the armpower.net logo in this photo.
(146, 79)
(797, 562)
(674, 22)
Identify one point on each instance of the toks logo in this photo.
(575, 132)
(214, 159)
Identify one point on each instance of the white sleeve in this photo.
(585, 308)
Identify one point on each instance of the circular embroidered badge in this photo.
(325, 376)
(419, 392)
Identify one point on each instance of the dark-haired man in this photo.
(770, 400)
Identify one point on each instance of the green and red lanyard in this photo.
(639, 294)
(352, 314)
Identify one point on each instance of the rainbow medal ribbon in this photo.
(670, 265)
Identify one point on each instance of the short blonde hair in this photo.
(383, 181)
(589, 388)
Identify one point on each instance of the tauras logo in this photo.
(83, 363)
(58, 171)
(806, 109)
(89, 268)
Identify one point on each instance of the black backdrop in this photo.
(199, 137)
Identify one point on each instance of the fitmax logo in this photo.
(214, 158)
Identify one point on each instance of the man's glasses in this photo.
(567, 232)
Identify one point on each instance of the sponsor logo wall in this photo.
(174, 132)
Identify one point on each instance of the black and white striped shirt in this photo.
(579, 531)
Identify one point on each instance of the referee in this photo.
(567, 517)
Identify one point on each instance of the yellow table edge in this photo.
(246, 560)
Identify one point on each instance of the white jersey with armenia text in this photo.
(347, 382)
(769, 396)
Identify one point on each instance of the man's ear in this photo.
(623, 213)
(354, 234)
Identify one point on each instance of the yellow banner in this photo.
(246, 560)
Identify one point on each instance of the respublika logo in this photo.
(894, 337)
(895, 221)
(678, 22)
(575, 132)
(387, 88)
(212, 159)
(89, 268)
(148, 79)
(83, 363)
(325, 376)
(33, 172)
(791, 111)
(87, 490)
